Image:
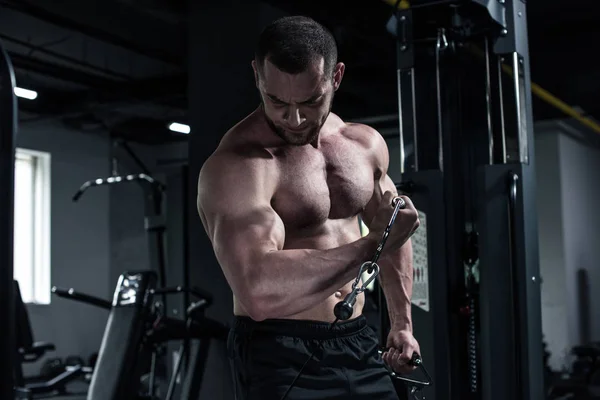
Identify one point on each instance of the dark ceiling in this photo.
(122, 66)
(100, 65)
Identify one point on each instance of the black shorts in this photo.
(266, 357)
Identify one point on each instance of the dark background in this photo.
(126, 68)
(124, 63)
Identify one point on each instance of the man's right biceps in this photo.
(234, 252)
(240, 274)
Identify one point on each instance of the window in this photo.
(32, 225)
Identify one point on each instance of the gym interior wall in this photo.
(79, 238)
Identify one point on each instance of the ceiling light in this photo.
(181, 128)
(25, 93)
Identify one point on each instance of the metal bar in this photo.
(549, 98)
(401, 123)
(152, 375)
(564, 107)
(125, 146)
(520, 108)
(71, 294)
(438, 91)
(510, 260)
(501, 110)
(497, 345)
(375, 119)
(8, 132)
(175, 374)
(488, 101)
(193, 380)
(509, 41)
(155, 233)
(383, 314)
(407, 120)
(185, 264)
(514, 296)
(405, 63)
(414, 118)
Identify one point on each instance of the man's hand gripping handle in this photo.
(345, 308)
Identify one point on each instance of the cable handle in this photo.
(345, 308)
(416, 386)
(398, 203)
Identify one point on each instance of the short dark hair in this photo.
(293, 43)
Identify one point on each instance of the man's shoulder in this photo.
(239, 154)
(241, 159)
(365, 135)
(232, 170)
(369, 139)
(242, 144)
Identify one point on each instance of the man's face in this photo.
(296, 106)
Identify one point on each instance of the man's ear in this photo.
(256, 76)
(338, 74)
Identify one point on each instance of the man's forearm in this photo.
(291, 281)
(396, 276)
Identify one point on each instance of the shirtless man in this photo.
(280, 200)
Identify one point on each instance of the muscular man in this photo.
(280, 200)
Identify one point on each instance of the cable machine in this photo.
(466, 134)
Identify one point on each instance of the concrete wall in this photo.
(569, 228)
(579, 177)
(551, 243)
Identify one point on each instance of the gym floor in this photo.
(77, 391)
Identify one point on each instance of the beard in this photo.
(307, 136)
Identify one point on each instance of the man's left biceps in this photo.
(387, 184)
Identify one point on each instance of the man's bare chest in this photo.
(315, 186)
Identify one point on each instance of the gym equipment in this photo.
(154, 220)
(55, 374)
(415, 387)
(28, 349)
(135, 327)
(587, 362)
(71, 294)
(155, 226)
(344, 309)
(471, 173)
(137, 330)
(583, 379)
(8, 132)
(195, 313)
